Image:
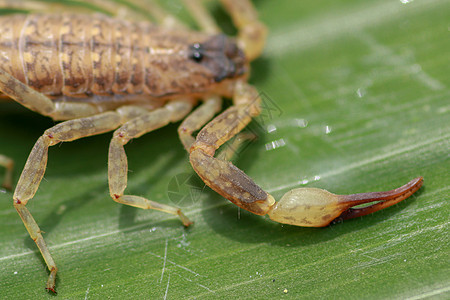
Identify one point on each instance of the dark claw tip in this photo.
(383, 199)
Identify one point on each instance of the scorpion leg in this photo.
(24, 5)
(197, 119)
(222, 176)
(117, 160)
(201, 16)
(302, 207)
(25, 95)
(7, 163)
(40, 103)
(105, 6)
(162, 17)
(252, 33)
(232, 149)
(35, 167)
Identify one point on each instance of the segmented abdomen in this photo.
(76, 55)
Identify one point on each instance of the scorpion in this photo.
(96, 74)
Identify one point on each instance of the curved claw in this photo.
(313, 207)
(385, 199)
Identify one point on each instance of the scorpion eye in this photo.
(196, 52)
(197, 56)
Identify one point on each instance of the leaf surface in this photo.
(356, 96)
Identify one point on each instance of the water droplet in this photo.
(361, 92)
(406, 1)
(302, 123)
(271, 128)
(275, 144)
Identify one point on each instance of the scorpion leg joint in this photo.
(117, 159)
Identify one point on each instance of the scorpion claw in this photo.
(312, 207)
(385, 199)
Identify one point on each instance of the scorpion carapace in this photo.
(221, 56)
(101, 74)
(77, 56)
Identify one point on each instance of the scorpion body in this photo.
(99, 74)
(108, 62)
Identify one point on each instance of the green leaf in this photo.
(360, 102)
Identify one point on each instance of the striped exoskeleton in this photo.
(98, 74)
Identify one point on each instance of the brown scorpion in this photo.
(97, 74)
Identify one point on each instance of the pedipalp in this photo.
(312, 207)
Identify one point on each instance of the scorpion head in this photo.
(220, 56)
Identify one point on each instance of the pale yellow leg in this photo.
(197, 119)
(221, 175)
(252, 33)
(232, 149)
(35, 168)
(162, 17)
(40, 103)
(201, 16)
(117, 159)
(104, 6)
(25, 95)
(73, 110)
(137, 10)
(7, 163)
(24, 4)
